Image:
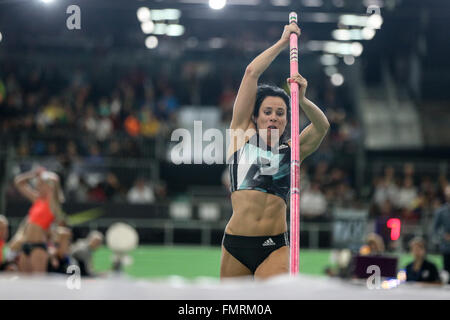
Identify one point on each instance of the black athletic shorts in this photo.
(252, 251)
(28, 247)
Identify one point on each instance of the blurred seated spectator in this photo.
(114, 149)
(420, 269)
(374, 245)
(344, 260)
(97, 193)
(59, 251)
(132, 125)
(167, 105)
(313, 203)
(90, 120)
(150, 125)
(385, 188)
(82, 252)
(343, 195)
(76, 188)
(112, 187)
(52, 113)
(141, 193)
(104, 128)
(161, 191)
(407, 194)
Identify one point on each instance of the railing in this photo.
(169, 231)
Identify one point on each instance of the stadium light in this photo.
(356, 49)
(337, 79)
(174, 30)
(151, 42)
(312, 3)
(160, 28)
(349, 60)
(328, 60)
(353, 34)
(158, 15)
(374, 21)
(1, 37)
(280, 3)
(172, 14)
(147, 27)
(47, 1)
(368, 33)
(143, 14)
(330, 70)
(216, 43)
(217, 4)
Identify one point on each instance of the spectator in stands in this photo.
(112, 187)
(77, 189)
(386, 188)
(150, 125)
(407, 200)
(141, 193)
(409, 172)
(104, 128)
(407, 194)
(320, 172)
(374, 245)
(94, 157)
(161, 191)
(83, 250)
(442, 221)
(420, 269)
(344, 195)
(313, 203)
(132, 125)
(59, 251)
(167, 104)
(52, 113)
(90, 120)
(114, 149)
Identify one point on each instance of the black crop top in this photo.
(257, 166)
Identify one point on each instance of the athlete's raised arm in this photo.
(22, 184)
(245, 100)
(311, 137)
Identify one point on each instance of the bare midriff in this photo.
(256, 213)
(34, 233)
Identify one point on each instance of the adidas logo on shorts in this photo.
(268, 242)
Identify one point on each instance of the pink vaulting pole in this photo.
(295, 156)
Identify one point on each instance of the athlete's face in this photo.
(418, 251)
(272, 117)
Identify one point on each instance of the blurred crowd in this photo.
(80, 118)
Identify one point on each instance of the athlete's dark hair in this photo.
(267, 90)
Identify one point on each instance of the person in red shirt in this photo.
(46, 197)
